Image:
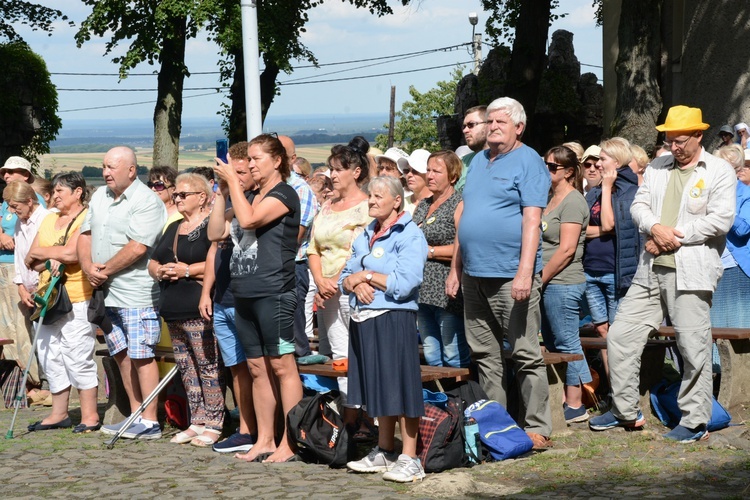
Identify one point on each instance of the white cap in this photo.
(17, 163)
(416, 160)
(592, 151)
(462, 151)
(393, 154)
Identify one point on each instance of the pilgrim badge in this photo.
(695, 191)
(431, 220)
(544, 225)
(378, 252)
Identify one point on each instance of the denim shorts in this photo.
(226, 336)
(136, 329)
(601, 297)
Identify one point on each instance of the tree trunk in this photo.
(268, 86)
(528, 58)
(168, 110)
(638, 95)
(237, 113)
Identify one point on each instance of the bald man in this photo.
(308, 207)
(123, 223)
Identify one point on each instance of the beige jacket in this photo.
(706, 214)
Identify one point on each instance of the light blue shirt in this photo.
(494, 197)
(138, 214)
(738, 237)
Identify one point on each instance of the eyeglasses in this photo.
(157, 186)
(407, 171)
(553, 167)
(591, 165)
(471, 125)
(680, 144)
(183, 194)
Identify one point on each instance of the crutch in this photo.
(169, 376)
(43, 302)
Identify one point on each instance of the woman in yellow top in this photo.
(66, 347)
(339, 222)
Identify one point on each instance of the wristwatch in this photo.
(368, 278)
(432, 252)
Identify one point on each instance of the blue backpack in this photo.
(664, 404)
(498, 432)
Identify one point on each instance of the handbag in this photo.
(59, 304)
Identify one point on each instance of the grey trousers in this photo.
(491, 314)
(642, 310)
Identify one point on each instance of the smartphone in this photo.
(222, 147)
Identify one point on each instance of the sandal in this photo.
(188, 434)
(205, 440)
(37, 397)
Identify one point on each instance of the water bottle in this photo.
(471, 436)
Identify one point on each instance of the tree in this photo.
(157, 32)
(638, 64)
(415, 124)
(34, 15)
(28, 108)
(280, 25)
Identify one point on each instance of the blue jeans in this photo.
(443, 337)
(601, 297)
(560, 327)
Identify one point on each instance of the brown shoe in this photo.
(540, 442)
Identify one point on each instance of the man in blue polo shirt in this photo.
(498, 261)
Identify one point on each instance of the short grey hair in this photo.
(390, 184)
(733, 154)
(513, 108)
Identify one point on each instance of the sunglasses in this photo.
(471, 125)
(184, 194)
(387, 168)
(590, 165)
(553, 167)
(157, 186)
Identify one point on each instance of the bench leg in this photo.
(652, 371)
(735, 373)
(556, 379)
(118, 404)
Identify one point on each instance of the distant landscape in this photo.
(83, 143)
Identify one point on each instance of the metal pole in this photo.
(477, 45)
(252, 67)
(392, 116)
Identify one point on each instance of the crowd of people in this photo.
(471, 255)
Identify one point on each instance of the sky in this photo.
(336, 32)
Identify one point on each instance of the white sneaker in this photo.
(375, 461)
(406, 470)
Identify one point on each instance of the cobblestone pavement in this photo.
(595, 465)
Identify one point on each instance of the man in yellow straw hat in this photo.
(684, 208)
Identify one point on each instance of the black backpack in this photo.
(318, 432)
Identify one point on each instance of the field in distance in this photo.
(67, 162)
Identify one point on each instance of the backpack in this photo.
(664, 403)
(440, 442)
(176, 404)
(317, 431)
(498, 432)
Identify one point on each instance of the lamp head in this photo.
(473, 18)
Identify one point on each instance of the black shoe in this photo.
(83, 428)
(39, 426)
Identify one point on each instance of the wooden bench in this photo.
(733, 345)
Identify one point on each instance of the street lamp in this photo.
(476, 39)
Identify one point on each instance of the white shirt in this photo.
(24, 236)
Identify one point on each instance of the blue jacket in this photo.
(738, 236)
(627, 237)
(401, 254)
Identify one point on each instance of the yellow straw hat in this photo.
(681, 118)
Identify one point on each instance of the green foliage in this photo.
(28, 106)
(31, 14)
(92, 172)
(415, 125)
(145, 24)
(503, 19)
